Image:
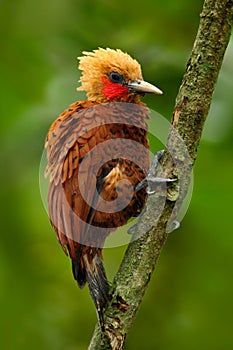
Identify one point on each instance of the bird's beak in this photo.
(141, 86)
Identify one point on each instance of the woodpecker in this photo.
(98, 153)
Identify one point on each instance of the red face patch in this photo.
(113, 90)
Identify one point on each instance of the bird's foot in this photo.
(174, 226)
(151, 181)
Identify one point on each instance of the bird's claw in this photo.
(176, 225)
(151, 180)
(156, 180)
(172, 226)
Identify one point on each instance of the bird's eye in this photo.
(116, 77)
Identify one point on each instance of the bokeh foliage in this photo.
(189, 300)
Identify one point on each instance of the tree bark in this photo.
(190, 111)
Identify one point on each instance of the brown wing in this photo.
(67, 145)
(75, 171)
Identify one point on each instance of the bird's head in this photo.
(112, 75)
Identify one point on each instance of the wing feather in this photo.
(71, 167)
(68, 144)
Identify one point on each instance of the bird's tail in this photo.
(88, 267)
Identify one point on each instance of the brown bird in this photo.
(98, 152)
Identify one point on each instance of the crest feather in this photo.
(99, 63)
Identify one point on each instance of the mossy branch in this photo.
(191, 109)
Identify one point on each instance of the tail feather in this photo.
(78, 269)
(88, 267)
(79, 273)
(98, 286)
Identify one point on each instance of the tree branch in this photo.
(191, 109)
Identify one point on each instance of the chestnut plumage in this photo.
(111, 120)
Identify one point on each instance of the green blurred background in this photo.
(188, 304)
